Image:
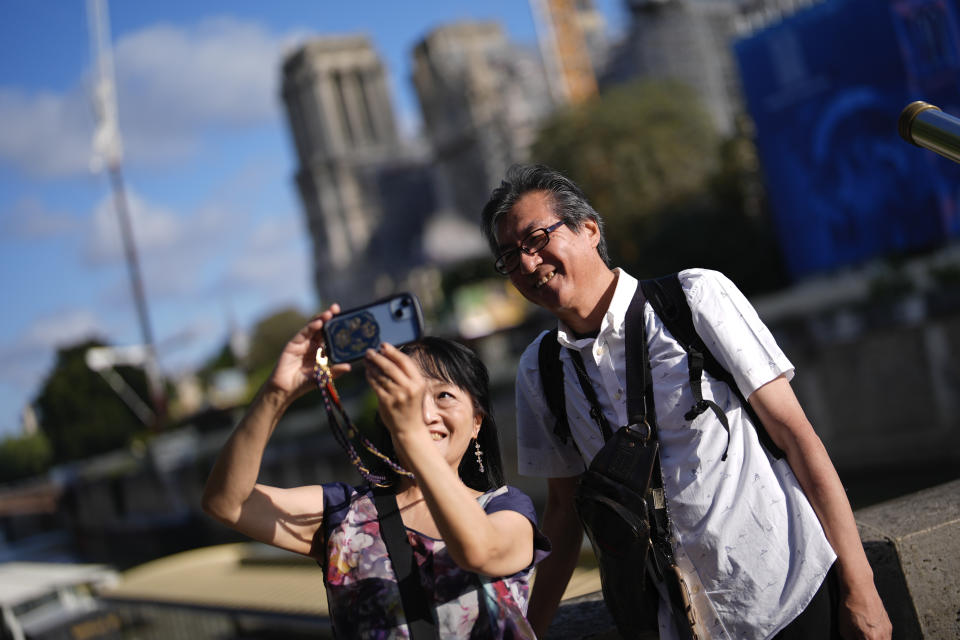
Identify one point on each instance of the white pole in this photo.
(108, 152)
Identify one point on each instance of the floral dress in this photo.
(362, 592)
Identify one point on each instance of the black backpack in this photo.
(665, 295)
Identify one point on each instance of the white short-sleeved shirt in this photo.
(744, 532)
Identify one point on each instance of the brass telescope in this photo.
(925, 125)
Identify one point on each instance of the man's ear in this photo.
(591, 229)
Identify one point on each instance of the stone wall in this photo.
(882, 394)
(913, 544)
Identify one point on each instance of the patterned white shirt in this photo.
(751, 546)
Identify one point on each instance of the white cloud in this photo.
(46, 133)
(63, 328)
(175, 81)
(28, 218)
(160, 233)
(172, 82)
(25, 359)
(274, 260)
(216, 249)
(221, 71)
(155, 230)
(177, 251)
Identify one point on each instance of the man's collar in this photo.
(614, 318)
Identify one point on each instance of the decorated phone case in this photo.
(397, 320)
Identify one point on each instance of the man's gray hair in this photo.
(568, 202)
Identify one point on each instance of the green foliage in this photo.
(672, 193)
(946, 275)
(24, 457)
(80, 414)
(891, 283)
(698, 234)
(462, 274)
(270, 336)
(224, 359)
(634, 149)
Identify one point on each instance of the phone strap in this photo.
(347, 432)
(415, 607)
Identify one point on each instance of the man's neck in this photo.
(588, 319)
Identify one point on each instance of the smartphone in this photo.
(397, 320)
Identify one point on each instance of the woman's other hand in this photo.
(399, 385)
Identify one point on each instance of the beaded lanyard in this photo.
(345, 435)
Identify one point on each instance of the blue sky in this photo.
(208, 165)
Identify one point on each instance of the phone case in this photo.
(397, 320)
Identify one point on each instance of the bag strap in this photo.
(640, 405)
(595, 411)
(551, 379)
(415, 607)
(661, 564)
(641, 410)
(668, 300)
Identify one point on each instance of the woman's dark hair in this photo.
(452, 362)
(569, 203)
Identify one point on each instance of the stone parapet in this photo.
(913, 544)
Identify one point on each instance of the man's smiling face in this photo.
(550, 277)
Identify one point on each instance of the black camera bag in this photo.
(611, 501)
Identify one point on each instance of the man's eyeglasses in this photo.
(531, 245)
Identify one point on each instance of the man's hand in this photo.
(562, 527)
(861, 612)
(863, 617)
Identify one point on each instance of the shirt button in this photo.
(618, 394)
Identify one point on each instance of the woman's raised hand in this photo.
(399, 385)
(293, 373)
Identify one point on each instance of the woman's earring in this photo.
(477, 452)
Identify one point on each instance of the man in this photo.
(769, 549)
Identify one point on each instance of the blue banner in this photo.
(825, 88)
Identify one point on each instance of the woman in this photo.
(474, 542)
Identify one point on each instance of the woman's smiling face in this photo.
(451, 418)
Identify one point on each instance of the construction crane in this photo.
(564, 50)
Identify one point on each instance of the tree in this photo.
(673, 194)
(223, 359)
(635, 148)
(271, 334)
(79, 413)
(24, 457)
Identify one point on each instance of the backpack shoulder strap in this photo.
(668, 300)
(412, 596)
(551, 378)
